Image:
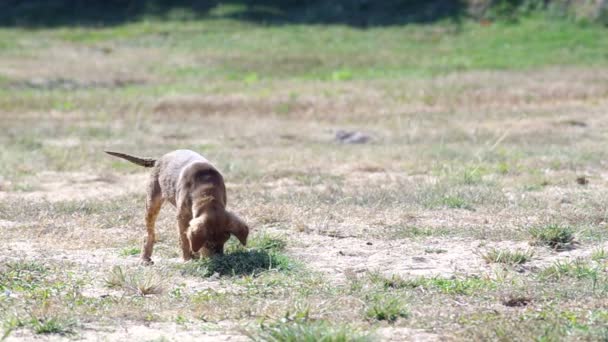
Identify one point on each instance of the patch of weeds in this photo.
(300, 282)
(128, 251)
(394, 282)
(270, 217)
(516, 301)
(23, 187)
(553, 235)
(251, 78)
(432, 250)
(463, 286)
(250, 262)
(207, 295)
(579, 269)
(386, 308)
(22, 275)
(86, 207)
(9, 324)
(29, 143)
(63, 105)
(73, 207)
(151, 317)
(140, 283)
(342, 75)
(399, 232)
(308, 331)
(52, 325)
(267, 242)
(503, 168)
(599, 255)
(177, 291)
(179, 319)
(283, 108)
(355, 282)
(537, 186)
(505, 256)
(472, 176)
(264, 254)
(456, 202)
(124, 210)
(286, 107)
(160, 339)
(40, 326)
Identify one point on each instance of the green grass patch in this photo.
(433, 250)
(135, 281)
(250, 262)
(553, 235)
(128, 251)
(121, 211)
(472, 176)
(263, 254)
(394, 282)
(400, 232)
(505, 256)
(45, 325)
(578, 268)
(456, 202)
(22, 275)
(462, 286)
(321, 52)
(599, 254)
(52, 325)
(267, 242)
(309, 331)
(385, 307)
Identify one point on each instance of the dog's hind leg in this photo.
(154, 201)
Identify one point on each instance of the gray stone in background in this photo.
(352, 137)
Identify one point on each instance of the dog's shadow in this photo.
(237, 263)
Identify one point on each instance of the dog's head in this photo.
(209, 238)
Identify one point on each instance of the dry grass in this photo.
(460, 161)
(507, 256)
(140, 283)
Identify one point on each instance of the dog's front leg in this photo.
(183, 221)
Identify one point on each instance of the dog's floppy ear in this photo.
(197, 233)
(237, 227)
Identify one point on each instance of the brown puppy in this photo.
(195, 187)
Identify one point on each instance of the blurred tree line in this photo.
(358, 13)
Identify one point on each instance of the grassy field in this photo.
(477, 210)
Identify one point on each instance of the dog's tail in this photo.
(146, 162)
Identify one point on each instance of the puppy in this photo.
(196, 188)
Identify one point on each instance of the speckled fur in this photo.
(196, 188)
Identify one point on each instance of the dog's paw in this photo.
(146, 262)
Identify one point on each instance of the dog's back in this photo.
(181, 168)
